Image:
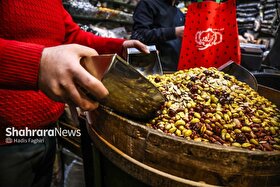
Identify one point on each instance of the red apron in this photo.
(210, 36)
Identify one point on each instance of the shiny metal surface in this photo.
(146, 64)
(271, 94)
(130, 93)
(240, 73)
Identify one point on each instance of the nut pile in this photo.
(204, 104)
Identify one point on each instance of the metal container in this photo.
(240, 73)
(269, 79)
(158, 159)
(271, 94)
(146, 64)
(130, 93)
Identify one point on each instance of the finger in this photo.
(90, 83)
(77, 97)
(140, 46)
(248, 38)
(136, 44)
(54, 91)
(85, 51)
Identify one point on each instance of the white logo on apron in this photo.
(208, 38)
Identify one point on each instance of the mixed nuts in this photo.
(204, 104)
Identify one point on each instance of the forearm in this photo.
(100, 44)
(76, 35)
(19, 63)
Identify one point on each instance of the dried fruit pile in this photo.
(205, 104)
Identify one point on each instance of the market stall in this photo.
(210, 141)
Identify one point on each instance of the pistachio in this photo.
(272, 130)
(229, 126)
(229, 112)
(235, 115)
(256, 120)
(180, 122)
(178, 132)
(181, 128)
(246, 145)
(207, 121)
(277, 140)
(236, 144)
(187, 133)
(194, 120)
(168, 126)
(246, 129)
(203, 129)
(237, 131)
(214, 99)
(181, 114)
(164, 112)
(172, 130)
(228, 136)
(254, 141)
(168, 104)
(226, 117)
(246, 121)
(189, 105)
(197, 115)
(223, 134)
(204, 104)
(218, 117)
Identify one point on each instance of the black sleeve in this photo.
(241, 31)
(144, 28)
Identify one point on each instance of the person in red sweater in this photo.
(40, 51)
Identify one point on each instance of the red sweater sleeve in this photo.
(101, 44)
(19, 63)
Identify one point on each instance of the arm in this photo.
(76, 35)
(19, 64)
(54, 70)
(143, 28)
(57, 70)
(101, 44)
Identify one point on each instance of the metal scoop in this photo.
(130, 93)
(241, 73)
(146, 64)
